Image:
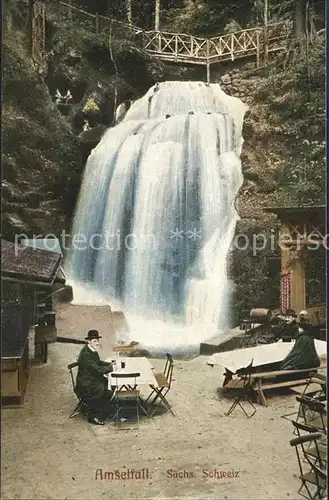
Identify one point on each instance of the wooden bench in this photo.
(271, 380)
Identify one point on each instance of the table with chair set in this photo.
(129, 376)
(254, 370)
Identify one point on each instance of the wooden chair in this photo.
(159, 393)
(81, 407)
(314, 388)
(126, 395)
(312, 477)
(246, 391)
(316, 451)
(313, 413)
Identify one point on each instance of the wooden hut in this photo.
(29, 277)
(303, 259)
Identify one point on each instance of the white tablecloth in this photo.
(133, 365)
(261, 355)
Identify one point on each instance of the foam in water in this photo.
(156, 210)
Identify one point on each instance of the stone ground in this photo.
(46, 455)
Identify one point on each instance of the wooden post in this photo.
(157, 15)
(208, 63)
(96, 23)
(257, 48)
(298, 288)
(266, 33)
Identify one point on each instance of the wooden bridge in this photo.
(188, 49)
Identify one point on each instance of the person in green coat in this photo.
(303, 355)
(92, 384)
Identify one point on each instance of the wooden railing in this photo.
(188, 49)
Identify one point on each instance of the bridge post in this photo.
(157, 15)
(257, 48)
(208, 62)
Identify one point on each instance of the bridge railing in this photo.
(181, 46)
(98, 23)
(176, 44)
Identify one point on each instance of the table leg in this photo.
(260, 392)
(228, 376)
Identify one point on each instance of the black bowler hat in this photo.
(93, 334)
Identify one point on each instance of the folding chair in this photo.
(313, 412)
(318, 451)
(126, 395)
(246, 392)
(315, 388)
(81, 407)
(158, 394)
(313, 478)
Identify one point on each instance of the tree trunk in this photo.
(157, 15)
(299, 18)
(129, 12)
(265, 33)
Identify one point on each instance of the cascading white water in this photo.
(156, 214)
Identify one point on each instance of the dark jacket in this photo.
(91, 383)
(303, 355)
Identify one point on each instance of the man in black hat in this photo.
(91, 383)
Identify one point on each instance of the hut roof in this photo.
(27, 263)
(49, 244)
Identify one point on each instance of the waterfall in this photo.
(156, 217)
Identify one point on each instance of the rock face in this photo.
(40, 151)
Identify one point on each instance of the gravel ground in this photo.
(46, 455)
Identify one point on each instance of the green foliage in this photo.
(232, 27)
(256, 283)
(207, 17)
(296, 110)
(91, 107)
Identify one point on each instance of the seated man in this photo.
(303, 355)
(289, 329)
(91, 383)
